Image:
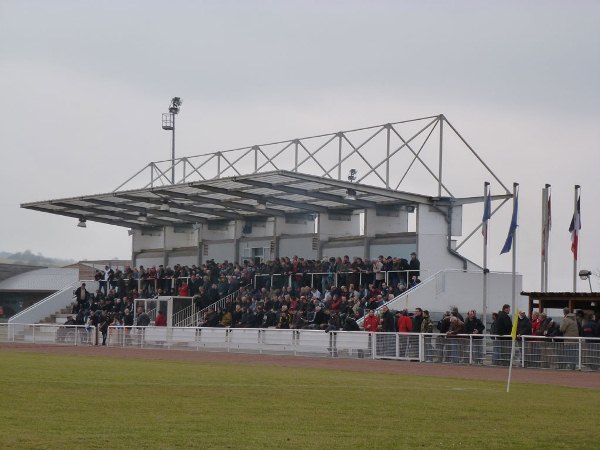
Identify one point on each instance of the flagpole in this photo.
(577, 187)
(548, 219)
(486, 187)
(514, 253)
(543, 247)
(512, 355)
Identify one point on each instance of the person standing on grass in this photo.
(105, 322)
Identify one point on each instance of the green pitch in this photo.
(50, 401)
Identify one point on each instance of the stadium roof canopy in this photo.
(41, 279)
(246, 197)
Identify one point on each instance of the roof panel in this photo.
(287, 192)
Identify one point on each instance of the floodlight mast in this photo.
(168, 123)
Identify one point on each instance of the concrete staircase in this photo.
(59, 317)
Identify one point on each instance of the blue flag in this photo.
(513, 226)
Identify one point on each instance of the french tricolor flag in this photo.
(575, 227)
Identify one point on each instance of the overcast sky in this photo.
(83, 85)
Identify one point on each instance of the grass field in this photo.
(51, 401)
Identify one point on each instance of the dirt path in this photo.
(554, 377)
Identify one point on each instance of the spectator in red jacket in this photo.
(161, 319)
(535, 323)
(371, 322)
(184, 290)
(404, 324)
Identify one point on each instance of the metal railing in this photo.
(189, 317)
(531, 351)
(333, 278)
(50, 305)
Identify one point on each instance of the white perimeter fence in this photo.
(531, 351)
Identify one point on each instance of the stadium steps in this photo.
(59, 317)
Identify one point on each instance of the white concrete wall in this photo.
(220, 251)
(187, 258)
(375, 224)
(294, 228)
(141, 241)
(148, 261)
(259, 228)
(350, 250)
(463, 290)
(300, 246)
(188, 238)
(215, 235)
(339, 228)
(393, 250)
(433, 242)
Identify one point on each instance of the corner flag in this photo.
(513, 333)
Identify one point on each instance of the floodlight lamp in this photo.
(352, 175)
(584, 274)
(164, 206)
(175, 105)
(262, 205)
(350, 194)
(82, 223)
(410, 208)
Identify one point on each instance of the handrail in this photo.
(193, 318)
(559, 352)
(47, 306)
(218, 304)
(405, 293)
(360, 273)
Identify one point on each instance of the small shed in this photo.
(539, 301)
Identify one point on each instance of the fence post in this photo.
(295, 339)
(471, 349)
(579, 353)
(373, 344)
(421, 347)
(522, 351)
(34, 334)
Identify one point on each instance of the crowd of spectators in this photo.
(284, 292)
(227, 277)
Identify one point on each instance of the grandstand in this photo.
(270, 223)
(290, 198)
